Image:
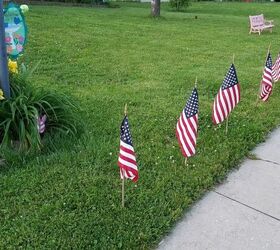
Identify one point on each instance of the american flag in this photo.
(227, 98)
(186, 129)
(41, 124)
(276, 69)
(127, 159)
(266, 83)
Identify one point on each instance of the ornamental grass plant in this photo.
(19, 115)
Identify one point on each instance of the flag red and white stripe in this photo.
(227, 98)
(266, 83)
(276, 69)
(127, 160)
(41, 124)
(186, 129)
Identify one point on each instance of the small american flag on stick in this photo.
(186, 129)
(127, 159)
(276, 69)
(227, 98)
(266, 82)
(41, 124)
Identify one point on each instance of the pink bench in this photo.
(258, 24)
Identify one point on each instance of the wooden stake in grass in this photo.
(227, 125)
(260, 90)
(228, 114)
(123, 174)
(122, 188)
(195, 85)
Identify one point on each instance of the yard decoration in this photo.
(41, 123)
(127, 160)
(267, 79)
(227, 97)
(15, 30)
(26, 112)
(258, 24)
(187, 125)
(276, 69)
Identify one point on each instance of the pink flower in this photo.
(19, 48)
(8, 39)
(21, 39)
(9, 49)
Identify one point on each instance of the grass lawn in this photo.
(71, 198)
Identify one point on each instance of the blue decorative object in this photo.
(15, 30)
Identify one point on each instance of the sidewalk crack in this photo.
(255, 158)
(243, 204)
(273, 162)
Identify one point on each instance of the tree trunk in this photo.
(155, 5)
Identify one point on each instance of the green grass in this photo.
(71, 198)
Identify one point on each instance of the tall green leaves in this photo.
(19, 115)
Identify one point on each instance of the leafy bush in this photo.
(179, 4)
(19, 115)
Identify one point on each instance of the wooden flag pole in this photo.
(227, 125)
(258, 99)
(125, 109)
(123, 177)
(258, 95)
(228, 114)
(195, 85)
(122, 188)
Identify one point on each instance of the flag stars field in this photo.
(230, 79)
(192, 106)
(125, 133)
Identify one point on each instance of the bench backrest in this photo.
(256, 21)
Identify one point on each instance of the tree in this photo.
(155, 8)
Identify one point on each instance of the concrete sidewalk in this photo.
(243, 213)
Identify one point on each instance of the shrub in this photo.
(179, 4)
(19, 115)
